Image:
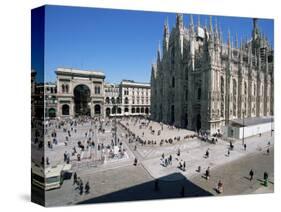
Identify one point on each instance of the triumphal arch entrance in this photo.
(79, 93)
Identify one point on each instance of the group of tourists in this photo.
(80, 185)
(86, 144)
(265, 177)
(144, 124)
(165, 161)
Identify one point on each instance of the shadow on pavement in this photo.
(247, 178)
(164, 189)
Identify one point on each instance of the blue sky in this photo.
(120, 43)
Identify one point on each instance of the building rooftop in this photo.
(133, 83)
(112, 85)
(79, 72)
(251, 121)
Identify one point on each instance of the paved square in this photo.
(108, 163)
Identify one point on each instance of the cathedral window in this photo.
(199, 93)
(173, 82)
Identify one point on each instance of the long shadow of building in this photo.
(175, 185)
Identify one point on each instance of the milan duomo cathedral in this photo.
(200, 82)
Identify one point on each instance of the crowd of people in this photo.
(86, 130)
(78, 182)
(136, 127)
(80, 136)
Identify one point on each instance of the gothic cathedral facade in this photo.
(200, 82)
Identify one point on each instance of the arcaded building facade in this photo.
(129, 98)
(84, 93)
(136, 97)
(200, 82)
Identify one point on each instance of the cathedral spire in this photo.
(259, 61)
(191, 24)
(217, 36)
(241, 51)
(179, 20)
(236, 40)
(166, 36)
(191, 20)
(216, 26)
(158, 53)
(166, 27)
(221, 36)
(255, 31)
(229, 45)
(228, 39)
(250, 55)
(211, 25)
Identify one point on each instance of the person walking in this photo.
(220, 187)
(87, 188)
(166, 162)
(245, 147)
(75, 178)
(267, 151)
(170, 159)
(251, 173)
(80, 185)
(265, 178)
(207, 173)
(179, 152)
(207, 154)
(135, 162)
(65, 156)
(231, 145)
